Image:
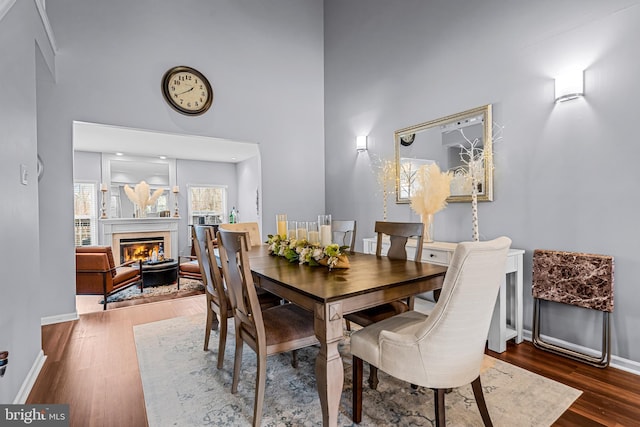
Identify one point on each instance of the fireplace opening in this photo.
(149, 249)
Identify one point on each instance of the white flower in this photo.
(318, 254)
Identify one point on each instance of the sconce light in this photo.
(570, 85)
(361, 143)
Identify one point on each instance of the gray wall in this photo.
(24, 53)
(194, 172)
(265, 64)
(566, 175)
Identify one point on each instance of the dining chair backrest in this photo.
(251, 227)
(198, 234)
(399, 233)
(451, 341)
(344, 233)
(214, 264)
(234, 258)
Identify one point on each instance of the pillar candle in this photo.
(325, 235)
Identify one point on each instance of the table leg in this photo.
(498, 328)
(519, 297)
(329, 368)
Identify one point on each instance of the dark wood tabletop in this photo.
(366, 274)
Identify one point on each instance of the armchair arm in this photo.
(128, 263)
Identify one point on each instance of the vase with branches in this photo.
(432, 188)
(141, 197)
(386, 175)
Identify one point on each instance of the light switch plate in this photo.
(24, 174)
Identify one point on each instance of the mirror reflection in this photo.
(459, 143)
(130, 171)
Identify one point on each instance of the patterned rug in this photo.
(182, 387)
(154, 293)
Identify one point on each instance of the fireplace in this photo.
(112, 230)
(145, 248)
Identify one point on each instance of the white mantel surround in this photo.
(111, 226)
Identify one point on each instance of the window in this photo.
(207, 204)
(85, 213)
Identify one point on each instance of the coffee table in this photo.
(159, 273)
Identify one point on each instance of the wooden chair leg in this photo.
(347, 324)
(294, 359)
(260, 386)
(357, 390)
(237, 362)
(207, 329)
(222, 341)
(476, 385)
(373, 377)
(439, 407)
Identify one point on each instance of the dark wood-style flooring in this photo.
(92, 365)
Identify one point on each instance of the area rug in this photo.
(182, 387)
(153, 293)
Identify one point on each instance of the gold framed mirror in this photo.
(448, 141)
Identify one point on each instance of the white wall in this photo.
(565, 174)
(249, 204)
(21, 32)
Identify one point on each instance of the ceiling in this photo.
(102, 138)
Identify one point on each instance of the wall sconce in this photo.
(361, 143)
(570, 85)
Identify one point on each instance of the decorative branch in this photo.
(475, 160)
(385, 171)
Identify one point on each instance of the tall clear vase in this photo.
(427, 220)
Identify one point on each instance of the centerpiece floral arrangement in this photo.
(303, 252)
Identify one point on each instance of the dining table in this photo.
(330, 294)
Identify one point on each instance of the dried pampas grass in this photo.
(432, 189)
(140, 195)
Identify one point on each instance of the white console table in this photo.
(506, 322)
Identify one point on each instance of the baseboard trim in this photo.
(59, 318)
(30, 379)
(617, 362)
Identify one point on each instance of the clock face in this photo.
(187, 90)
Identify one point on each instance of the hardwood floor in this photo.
(92, 365)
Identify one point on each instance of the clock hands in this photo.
(185, 91)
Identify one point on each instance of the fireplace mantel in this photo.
(110, 226)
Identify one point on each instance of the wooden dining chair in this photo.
(444, 349)
(274, 330)
(344, 233)
(398, 233)
(251, 227)
(218, 306)
(218, 303)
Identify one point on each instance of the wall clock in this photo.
(187, 90)
(407, 140)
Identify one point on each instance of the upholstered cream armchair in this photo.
(445, 349)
